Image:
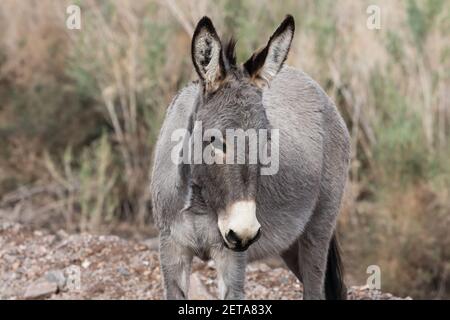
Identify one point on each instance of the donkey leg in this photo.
(306, 260)
(176, 268)
(313, 252)
(313, 247)
(292, 259)
(231, 273)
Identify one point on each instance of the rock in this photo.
(85, 264)
(39, 290)
(38, 233)
(9, 258)
(123, 271)
(97, 288)
(273, 262)
(62, 234)
(15, 265)
(10, 293)
(264, 267)
(136, 262)
(197, 290)
(56, 276)
(32, 271)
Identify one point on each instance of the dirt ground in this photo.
(36, 264)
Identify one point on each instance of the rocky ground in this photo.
(41, 265)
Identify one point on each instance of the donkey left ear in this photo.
(206, 50)
(264, 64)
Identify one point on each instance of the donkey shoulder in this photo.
(296, 96)
(315, 122)
(165, 172)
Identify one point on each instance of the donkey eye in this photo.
(218, 144)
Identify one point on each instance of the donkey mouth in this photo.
(239, 247)
(236, 248)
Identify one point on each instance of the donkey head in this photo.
(231, 98)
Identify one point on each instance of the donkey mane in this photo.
(230, 52)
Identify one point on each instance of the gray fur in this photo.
(297, 207)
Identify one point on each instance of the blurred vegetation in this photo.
(80, 112)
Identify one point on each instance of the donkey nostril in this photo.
(232, 237)
(256, 237)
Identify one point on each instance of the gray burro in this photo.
(232, 213)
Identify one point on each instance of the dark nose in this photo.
(237, 243)
(232, 238)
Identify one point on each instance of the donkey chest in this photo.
(198, 234)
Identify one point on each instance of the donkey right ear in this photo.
(264, 65)
(206, 51)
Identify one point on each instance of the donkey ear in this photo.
(267, 62)
(206, 50)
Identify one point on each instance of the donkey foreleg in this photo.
(176, 268)
(230, 273)
(292, 259)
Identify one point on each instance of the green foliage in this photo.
(97, 177)
(395, 46)
(237, 24)
(417, 23)
(89, 182)
(46, 109)
(156, 39)
(422, 19)
(84, 81)
(323, 26)
(401, 149)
